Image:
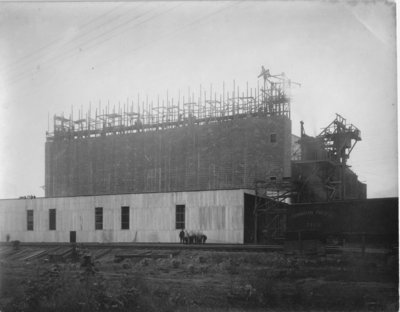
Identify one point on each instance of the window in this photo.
(180, 217)
(273, 138)
(52, 219)
(125, 218)
(30, 220)
(272, 178)
(99, 218)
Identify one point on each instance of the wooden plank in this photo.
(35, 254)
(101, 254)
(134, 255)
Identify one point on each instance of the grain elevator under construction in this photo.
(225, 164)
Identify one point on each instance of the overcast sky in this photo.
(54, 56)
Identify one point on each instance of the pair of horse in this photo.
(192, 237)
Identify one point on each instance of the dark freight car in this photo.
(374, 221)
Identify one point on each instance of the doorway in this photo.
(72, 236)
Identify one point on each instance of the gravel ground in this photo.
(199, 281)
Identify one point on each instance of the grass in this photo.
(203, 281)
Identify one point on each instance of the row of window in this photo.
(98, 217)
(124, 218)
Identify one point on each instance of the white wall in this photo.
(218, 214)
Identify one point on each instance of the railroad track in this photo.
(205, 247)
(159, 246)
(132, 247)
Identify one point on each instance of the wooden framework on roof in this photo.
(272, 99)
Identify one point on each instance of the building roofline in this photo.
(120, 194)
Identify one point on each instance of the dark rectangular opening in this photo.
(253, 226)
(52, 219)
(125, 218)
(29, 220)
(273, 138)
(180, 217)
(72, 237)
(248, 219)
(99, 218)
(263, 228)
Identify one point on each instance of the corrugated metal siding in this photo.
(219, 214)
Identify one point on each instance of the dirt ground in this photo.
(198, 280)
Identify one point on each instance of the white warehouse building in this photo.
(150, 217)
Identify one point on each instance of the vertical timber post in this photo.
(255, 214)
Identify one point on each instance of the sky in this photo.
(68, 56)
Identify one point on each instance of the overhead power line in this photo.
(75, 49)
(45, 48)
(182, 29)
